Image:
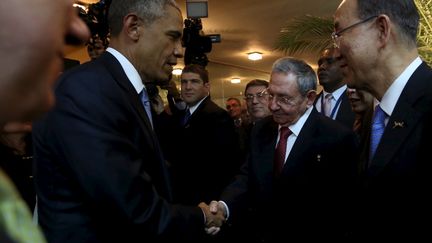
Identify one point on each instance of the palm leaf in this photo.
(424, 36)
(305, 34)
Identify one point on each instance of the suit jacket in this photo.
(313, 189)
(345, 114)
(398, 177)
(204, 154)
(100, 174)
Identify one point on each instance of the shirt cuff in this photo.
(226, 209)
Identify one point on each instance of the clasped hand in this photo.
(215, 214)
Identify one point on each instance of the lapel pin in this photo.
(397, 124)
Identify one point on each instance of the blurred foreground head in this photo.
(32, 40)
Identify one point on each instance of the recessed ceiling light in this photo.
(89, 1)
(254, 56)
(235, 80)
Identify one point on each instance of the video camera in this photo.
(196, 44)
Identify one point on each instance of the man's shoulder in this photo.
(88, 74)
(328, 125)
(210, 107)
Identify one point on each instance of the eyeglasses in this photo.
(336, 34)
(283, 100)
(261, 96)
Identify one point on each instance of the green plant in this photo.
(311, 34)
(305, 34)
(424, 36)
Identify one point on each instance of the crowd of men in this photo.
(350, 163)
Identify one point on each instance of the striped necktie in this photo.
(327, 104)
(186, 116)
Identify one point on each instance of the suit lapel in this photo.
(114, 67)
(196, 114)
(399, 127)
(302, 143)
(404, 119)
(120, 77)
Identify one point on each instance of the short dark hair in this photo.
(148, 11)
(198, 69)
(403, 13)
(257, 82)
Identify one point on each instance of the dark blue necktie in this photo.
(146, 103)
(186, 116)
(377, 130)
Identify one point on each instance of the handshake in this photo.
(215, 216)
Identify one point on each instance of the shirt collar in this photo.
(193, 108)
(391, 96)
(129, 69)
(296, 127)
(337, 93)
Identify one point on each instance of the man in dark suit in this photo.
(256, 97)
(241, 120)
(377, 44)
(100, 174)
(204, 155)
(310, 190)
(331, 78)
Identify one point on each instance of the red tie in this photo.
(279, 157)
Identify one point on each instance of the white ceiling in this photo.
(245, 26)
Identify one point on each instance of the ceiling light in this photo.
(84, 8)
(89, 1)
(177, 71)
(235, 80)
(254, 56)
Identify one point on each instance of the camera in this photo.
(196, 44)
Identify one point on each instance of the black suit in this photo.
(345, 114)
(100, 175)
(204, 154)
(313, 189)
(397, 183)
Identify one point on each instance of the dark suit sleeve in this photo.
(238, 193)
(96, 140)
